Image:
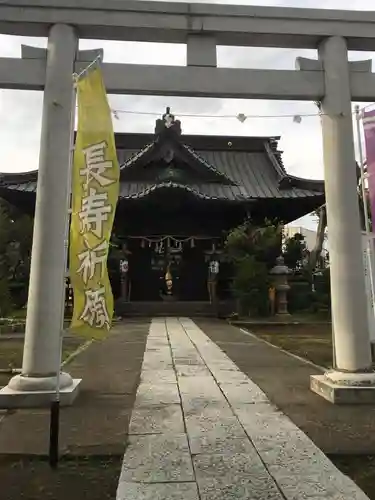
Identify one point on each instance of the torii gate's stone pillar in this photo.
(41, 356)
(352, 380)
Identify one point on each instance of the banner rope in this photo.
(77, 76)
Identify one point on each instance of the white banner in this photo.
(368, 253)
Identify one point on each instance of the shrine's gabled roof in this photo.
(232, 169)
(251, 169)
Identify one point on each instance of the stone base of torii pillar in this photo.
(36, 392)
(344, 388)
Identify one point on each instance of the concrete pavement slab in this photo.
(163, 491)
(158, 458)
(157, 420)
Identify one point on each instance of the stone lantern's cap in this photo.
(280, 268)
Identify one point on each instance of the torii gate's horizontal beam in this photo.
(172, 22)
(193, 81)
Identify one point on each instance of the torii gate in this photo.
(331, 79)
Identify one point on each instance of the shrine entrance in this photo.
(169, 269)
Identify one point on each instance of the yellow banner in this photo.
(95, 188)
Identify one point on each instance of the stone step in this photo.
(175, 308)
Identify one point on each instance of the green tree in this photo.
(295, 251)
(262, 242)
(16, 229)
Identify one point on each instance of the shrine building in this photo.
(179, 196)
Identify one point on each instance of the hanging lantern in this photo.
(192, 243)
(143, 243)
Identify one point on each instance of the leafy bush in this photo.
(250, 286)
(300, 296)
(253, 251)
(322, 282)
(5, 298)
(322, 295)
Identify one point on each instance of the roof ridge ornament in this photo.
(168, 122)
(168, 118)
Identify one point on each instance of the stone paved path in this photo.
(202, 430)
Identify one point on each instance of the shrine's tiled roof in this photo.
(252, 175)
(247, 174)
(133, 190)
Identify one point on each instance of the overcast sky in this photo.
(301, 143)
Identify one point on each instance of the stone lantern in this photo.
(280, 281)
